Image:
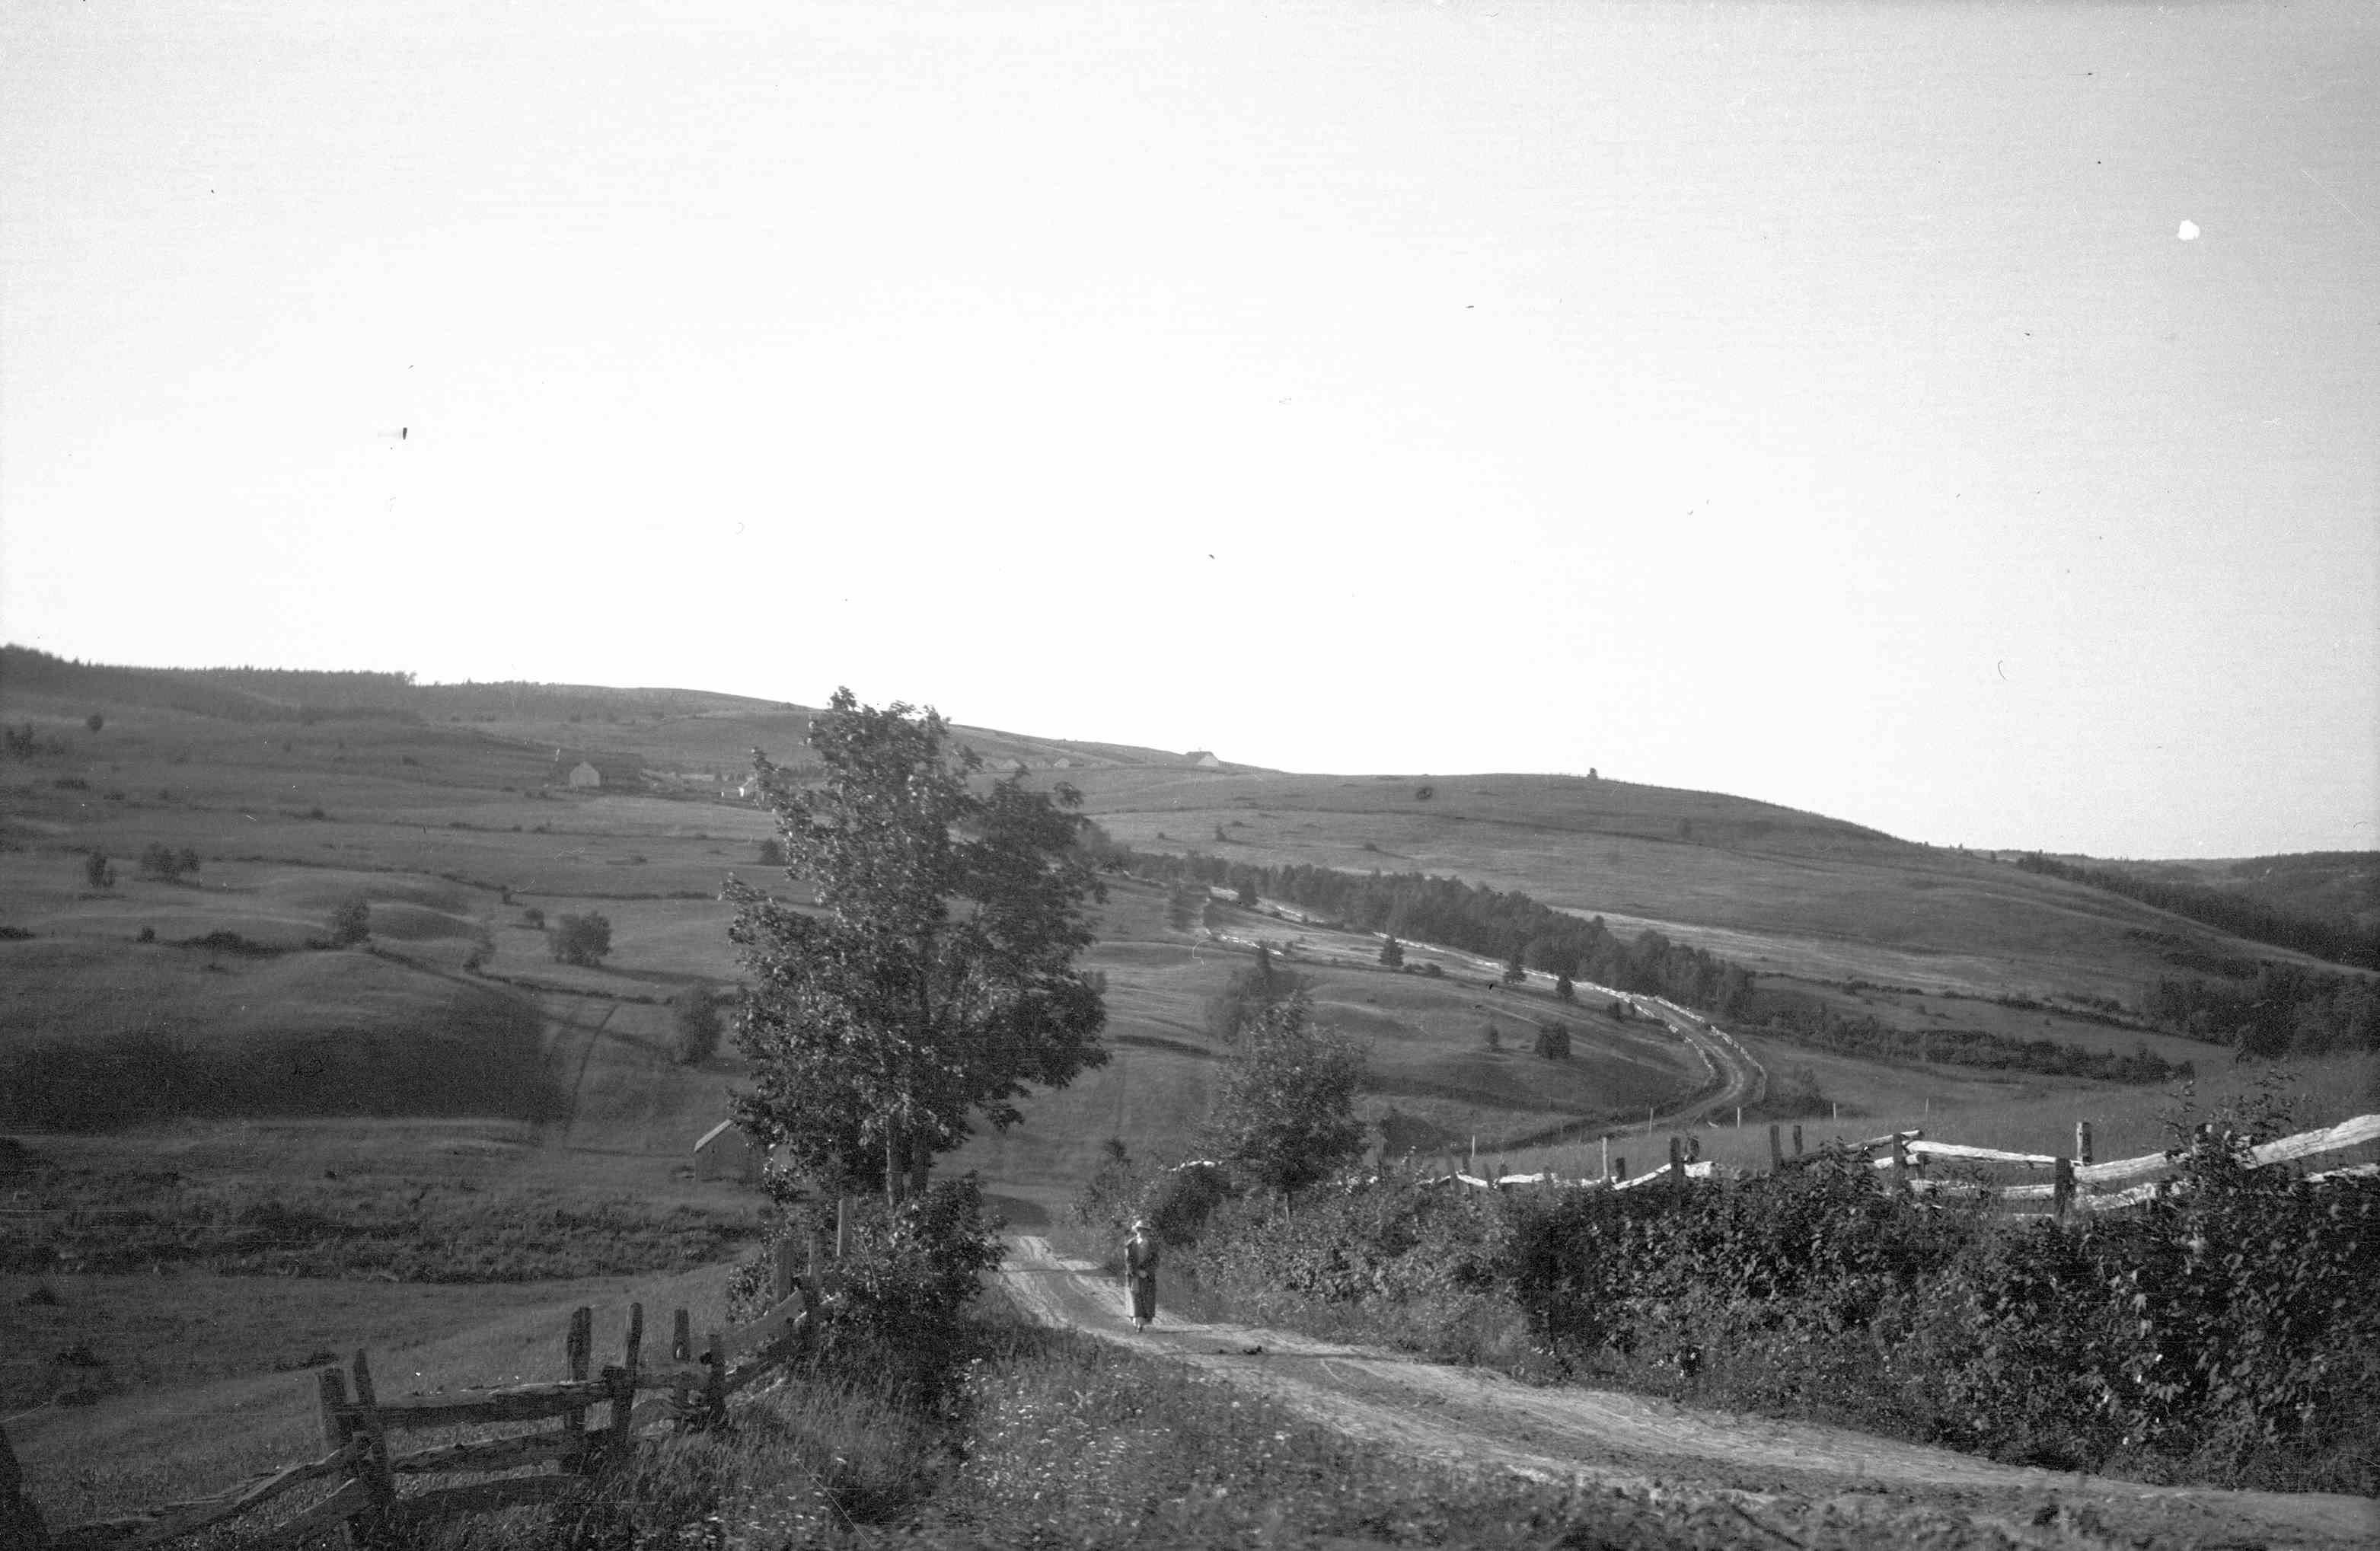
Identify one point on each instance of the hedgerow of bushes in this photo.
(2223, 1335)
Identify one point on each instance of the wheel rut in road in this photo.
(1789, 1479)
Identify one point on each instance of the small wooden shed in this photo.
(725, 1153)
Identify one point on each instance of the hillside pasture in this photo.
(1770, 887)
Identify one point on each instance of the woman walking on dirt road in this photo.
(1140, 1274)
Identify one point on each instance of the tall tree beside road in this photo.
(934, 982)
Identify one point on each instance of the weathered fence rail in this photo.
(2074, 1183)
(687, 1391)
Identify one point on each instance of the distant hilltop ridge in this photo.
(315, 695)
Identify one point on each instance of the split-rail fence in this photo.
(2076, 1183)
(596, 1416)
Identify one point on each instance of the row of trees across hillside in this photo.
(2342, 942)
(2282, 1010)
(1477, 919)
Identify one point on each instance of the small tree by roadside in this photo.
(94, 722)
(351, 924)
(1286, 1109)
(1564, 989)
(1516, 972)
(1392, 954)
(1553, 1040)
(694, 1025)
(97, 870)
(584, 940)
(773, 851)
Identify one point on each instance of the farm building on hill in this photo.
(585, 774)
(1205, 759)
(725, 1153)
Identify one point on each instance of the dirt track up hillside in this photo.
(1788, 1482)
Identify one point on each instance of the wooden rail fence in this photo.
(2075, 1183)
(687, 1391)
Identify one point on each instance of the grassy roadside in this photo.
(1047, 1439)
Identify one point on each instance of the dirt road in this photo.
(1801, 1483)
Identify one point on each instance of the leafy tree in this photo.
(97, 871)
(1392, 954)
(1286, 1109)
(1180, 908)
(934, 983)
(1245, 894)
(694, 1025)
(1564, 989)
(350, 924)
(1248, 993)
(1553, 1040)
(94, 722)
(772, 852)
(1516, 972)
(584, 940)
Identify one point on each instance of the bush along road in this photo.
(1789, 1482)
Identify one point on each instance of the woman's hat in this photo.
(1140, 1225)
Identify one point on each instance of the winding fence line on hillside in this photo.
(687, 1392)
(2073, 1185)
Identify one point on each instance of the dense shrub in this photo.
(2225, 1334)
(909, 1273)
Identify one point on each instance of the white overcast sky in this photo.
(1811, 399)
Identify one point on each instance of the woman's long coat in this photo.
(1140, 1270)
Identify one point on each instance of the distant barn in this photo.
(725, 1153)
(1205, 759)
(585, 774)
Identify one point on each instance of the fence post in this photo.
(1677, 1167)
(1619, 1168)
(578, 1352)
(379, 1479)
(623, 1385)
(1776, 1148)
(841, 1227)
(333, 1391)
(1797, 1139)
(681, 1352)
(20, 1521)
(2062, 1193)
(1899, 1163)
(714, 1392)
(2082, 1140)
